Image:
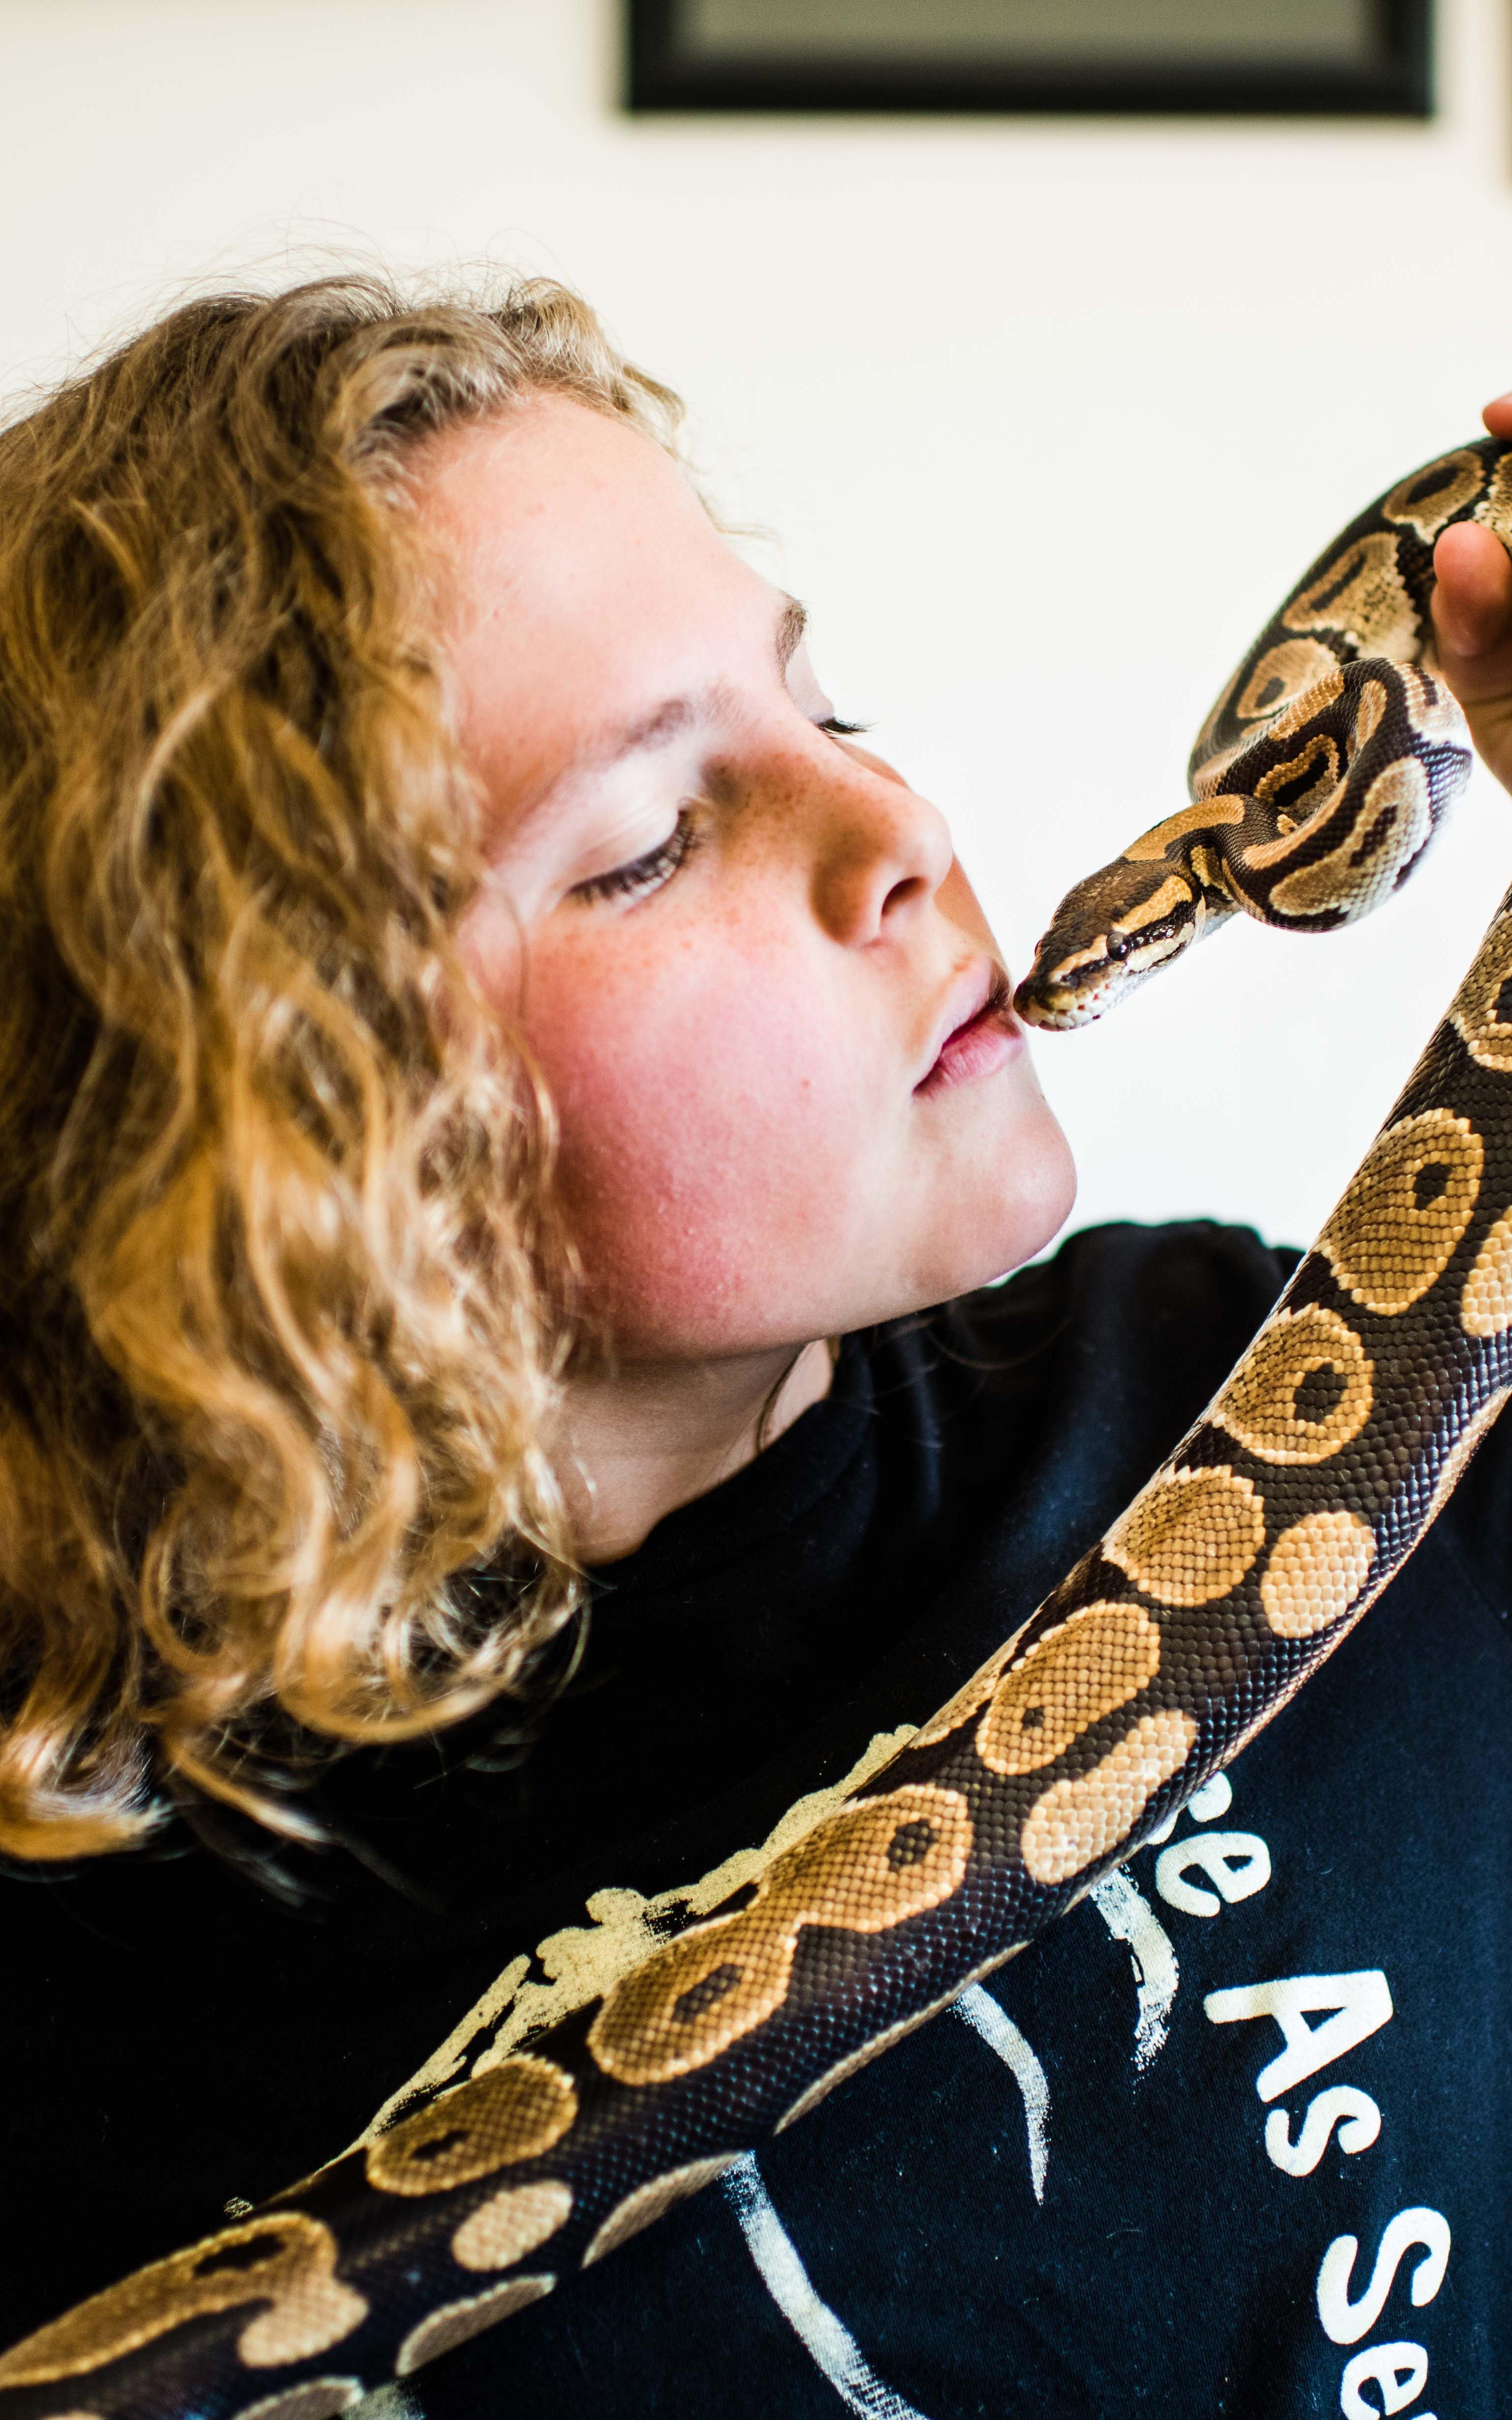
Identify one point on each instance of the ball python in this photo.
(1319, 779)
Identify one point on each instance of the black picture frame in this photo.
(665, 72)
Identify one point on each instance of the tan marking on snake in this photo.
(1201, 817)
(865, 1869)
(1392, 827)
(581, 1962)
(1209, 768)
(1315, 1572)
(1078, 1821)
(1171, 895)
(1297, 668)
(515, 2111)
(1494, 511)
(1191, 1537)
(510, 2223)
(1486, 1304)
(1432, 709)
(639, 2210)
(1292, 837)
(1456, 479)
(1073, 1676)
(286, 2260)
(1318, 758)
(1364, 596)
(1207, 866)
(1476, 1011)
(971, 1697)
(1303, 1391)
(318, 2398)
(1299, 711)
(1397, 1226)
(456, 2323)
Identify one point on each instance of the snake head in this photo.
(1108, 934)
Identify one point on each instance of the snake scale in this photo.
(1317, 782)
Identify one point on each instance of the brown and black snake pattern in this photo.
(1317, 781)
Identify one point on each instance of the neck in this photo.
(639, 1439)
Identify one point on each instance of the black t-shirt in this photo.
(1230, 2138)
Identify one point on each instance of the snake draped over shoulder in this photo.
(1319, 779)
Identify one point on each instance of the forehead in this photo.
(584, 588)
(557, 519)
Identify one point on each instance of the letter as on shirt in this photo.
(1355, 2115)
(1360, 2003)
(1346, 2322)
(1400, 2371)
(1238, 1862)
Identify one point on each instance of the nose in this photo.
(880, 854)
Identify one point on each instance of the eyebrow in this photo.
(677, 714)
(789, 630)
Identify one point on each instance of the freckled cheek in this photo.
(709, 1128)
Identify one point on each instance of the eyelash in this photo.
(650, 873)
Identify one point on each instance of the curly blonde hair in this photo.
(281, 1294)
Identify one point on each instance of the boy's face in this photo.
(737, 943)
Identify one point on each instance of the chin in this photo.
(1021, 1210)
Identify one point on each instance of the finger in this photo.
(1498, 416)
(1472, 601)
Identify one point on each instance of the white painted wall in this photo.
(1047, 415)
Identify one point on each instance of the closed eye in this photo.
(643, 875)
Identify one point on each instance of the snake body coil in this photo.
(1320, 776)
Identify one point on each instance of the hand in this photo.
(1473, 622)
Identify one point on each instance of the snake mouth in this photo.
(1062, 1003)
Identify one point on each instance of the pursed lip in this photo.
(978, 1009)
